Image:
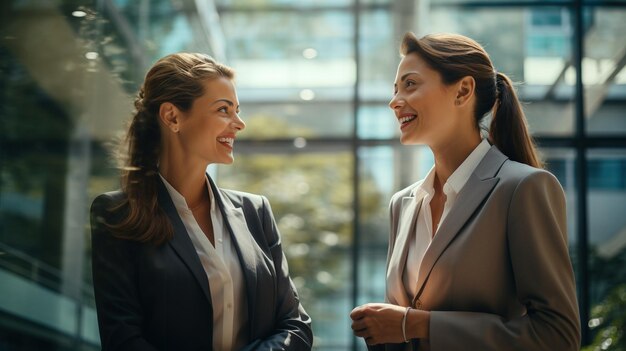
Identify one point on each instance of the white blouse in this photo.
(223, 270)
(424, 233)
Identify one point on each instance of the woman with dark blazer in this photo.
(178, 263)
(478, 255)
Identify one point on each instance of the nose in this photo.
(396, 102)
(239, 123)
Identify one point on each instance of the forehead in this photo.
(219, 88)
(413, 63)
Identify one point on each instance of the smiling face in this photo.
(423, 104)
(208, 129)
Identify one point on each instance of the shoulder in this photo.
(522, 175)
(110, 206)
(243, 199)
(111, 197)
(529, 187)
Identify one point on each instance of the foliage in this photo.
(609, 317)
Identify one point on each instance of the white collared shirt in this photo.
(223, 270)
(424, 232)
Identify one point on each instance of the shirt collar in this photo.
(458, 178)
(461, 175)
(427, 186)
(179, 200)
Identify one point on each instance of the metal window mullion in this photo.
(356, 239)
(581, 172)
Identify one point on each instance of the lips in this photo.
(406, 119)
(226, 141)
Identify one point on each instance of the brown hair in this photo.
(454, 57)
(178, 79)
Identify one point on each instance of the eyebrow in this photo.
(230, 103)
(404, 76)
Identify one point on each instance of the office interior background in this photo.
(314, 78)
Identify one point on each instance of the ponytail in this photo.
(145, 221)
(508, 130)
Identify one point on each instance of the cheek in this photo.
(421, 98)
(430, 101)
(210, 126)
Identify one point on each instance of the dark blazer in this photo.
(497, 276)
(158, 297)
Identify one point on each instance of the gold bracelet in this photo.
(406, 312)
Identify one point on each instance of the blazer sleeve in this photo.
(119, 311)
(293, 328)
(537, 237)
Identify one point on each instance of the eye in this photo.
(223, 109)
(409, 83)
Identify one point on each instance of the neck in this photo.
(450, 156)
(187, 176)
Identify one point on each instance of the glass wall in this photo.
(314, 79)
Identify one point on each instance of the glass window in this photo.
(379, 56)
(604, 2)
(301, 78)
(277, 3)
(328, 33)
(377, 122)
(604, 76)
(498, 3)
(292, 119)
(607, 243)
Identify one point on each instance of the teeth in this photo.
(407, 119)
(228, 141)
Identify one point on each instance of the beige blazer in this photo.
(497, 275)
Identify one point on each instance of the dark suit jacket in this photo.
(158, 297)
(497, 275)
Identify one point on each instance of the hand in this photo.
(378, 323)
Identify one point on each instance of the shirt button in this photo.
(220, 239)
(230, 305)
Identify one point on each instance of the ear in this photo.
(170, 116)
(464, 90)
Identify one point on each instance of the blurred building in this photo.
(314, 78)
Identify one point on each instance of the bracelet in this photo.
(406, 312)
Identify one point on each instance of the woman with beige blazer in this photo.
(478, 255)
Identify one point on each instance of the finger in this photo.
(357, 313)
(361, 333)
(358, 325)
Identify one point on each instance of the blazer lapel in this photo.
(478, 186)
(248, 254)
(397, 263)
(181, 243)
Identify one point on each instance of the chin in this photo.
(414, 138)
(407, 140)
(220, 160)
(228, 161)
